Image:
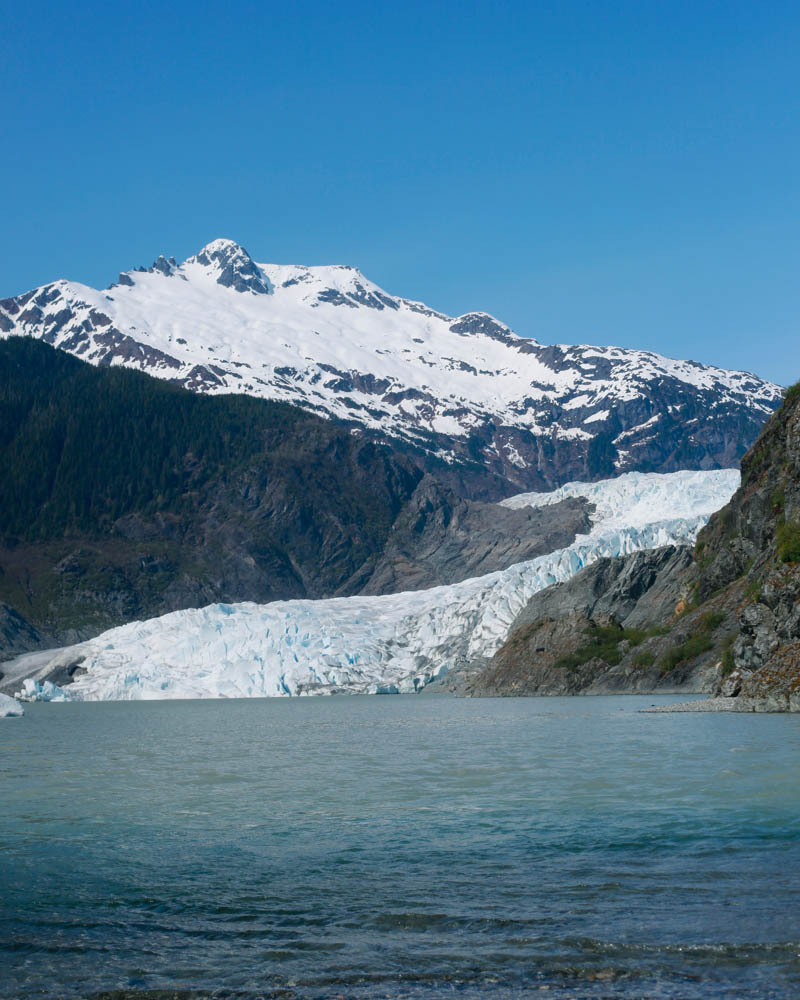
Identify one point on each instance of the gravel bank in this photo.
(700, 705)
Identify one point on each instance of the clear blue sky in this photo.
(616, 172)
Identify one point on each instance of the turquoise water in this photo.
(399, 847)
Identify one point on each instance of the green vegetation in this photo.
(697, 642)
(644, 659)
(604, 642)
(792, 392)
(122, 496)
(788, 538)
(728, 666)
(702, 556)
(81, 447)
(692, 646)
(712, 620)
(753, 591)
(757, 460)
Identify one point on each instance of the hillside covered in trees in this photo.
(124, 496)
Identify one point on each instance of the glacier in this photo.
(395, 643)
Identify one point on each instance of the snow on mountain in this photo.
(393, 643)
(328, 339)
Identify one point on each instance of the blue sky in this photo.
(616, 172)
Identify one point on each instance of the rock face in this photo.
(510, 413)
(755, 542)
(440, 538)
(599, 633)
(638, 590)
(17, 635)
(724, 619)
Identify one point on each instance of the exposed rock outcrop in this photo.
(604, 631)
(16, 634)
(755, 541)
(441, 538)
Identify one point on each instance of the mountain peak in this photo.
(465, 390)
(233, 267)
(223, 246)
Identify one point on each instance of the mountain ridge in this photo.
(458, 389)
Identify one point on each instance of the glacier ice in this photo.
(9, 707)
(34, 690)
(394, 643)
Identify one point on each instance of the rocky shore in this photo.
(723, 704)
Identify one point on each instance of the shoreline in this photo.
(699, 705)
(720, 704)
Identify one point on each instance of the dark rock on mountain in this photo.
(472, 323)
(236, 268)
(598, 633)
(753, 544)
(637, 590)
(17, 635)
(164, 265)
(440, 538)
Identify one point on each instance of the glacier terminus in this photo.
(386, 644)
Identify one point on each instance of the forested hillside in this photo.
(122, 495)
(126, 497)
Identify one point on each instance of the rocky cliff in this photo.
(441, 538)
(620, 625)
(752, 547)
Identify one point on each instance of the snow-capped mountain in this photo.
(464, 388)
(394, 643)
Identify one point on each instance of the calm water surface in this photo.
(399, 847)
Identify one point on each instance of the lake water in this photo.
(399, 847)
